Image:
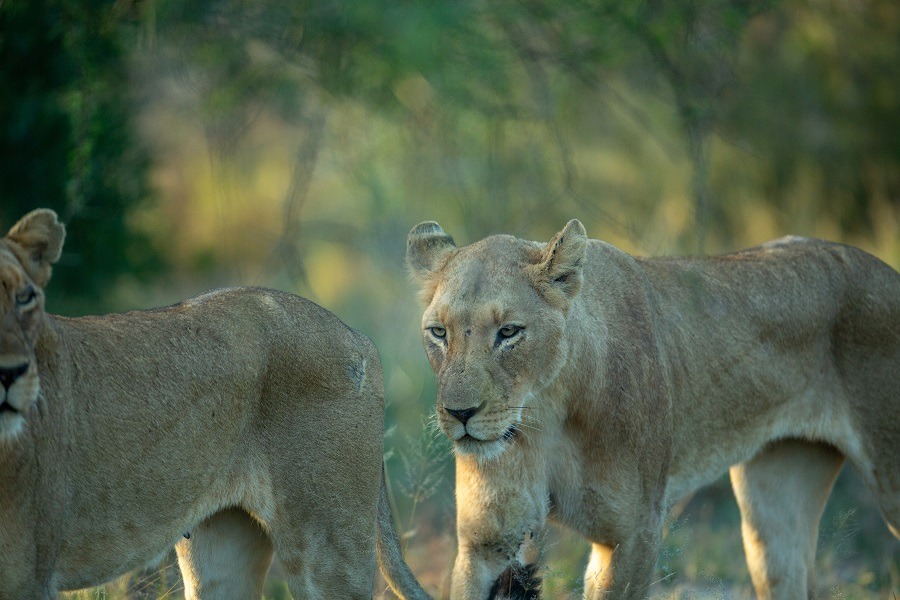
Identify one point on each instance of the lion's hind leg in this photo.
(781, 493)
(226, 557)
(877, 460)
(327, 550)
(880, 468)
(888, 498)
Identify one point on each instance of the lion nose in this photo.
(463, 415)
(8, 375)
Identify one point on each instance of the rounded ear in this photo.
(558, 273)
(427, 249)
(37, 239)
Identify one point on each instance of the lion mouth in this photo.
(481, 450)
(7, 407)
(507, 436)
(469, 444)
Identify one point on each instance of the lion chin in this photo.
(12, 406)
(484, 450)
(11, 423)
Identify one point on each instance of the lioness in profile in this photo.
(249, 419)
(585, 385)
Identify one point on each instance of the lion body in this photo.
(628, 383)
(239, 424)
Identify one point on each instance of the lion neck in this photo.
(47, 343)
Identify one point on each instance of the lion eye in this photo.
(25, 297)
(509, 331)
(438, 332)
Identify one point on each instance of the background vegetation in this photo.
(201, 143)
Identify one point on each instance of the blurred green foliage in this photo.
(804, 92)
(66, 141)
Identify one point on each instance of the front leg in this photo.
(623, 570)
(503, 566)
(501, 520)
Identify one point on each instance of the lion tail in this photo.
(390, 555)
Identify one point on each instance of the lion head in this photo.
(26, 255)
(493, 326)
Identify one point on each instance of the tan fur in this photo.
(627, 383)
(251, 419)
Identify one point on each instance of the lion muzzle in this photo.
(463, 415)
(9, 375)
(15, 396)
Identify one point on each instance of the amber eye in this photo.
(25, 297)
(438, 332)
(509, 331)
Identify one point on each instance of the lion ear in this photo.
(427, 249)
(558, 272)
(37, 239)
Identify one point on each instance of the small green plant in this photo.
(423, 462)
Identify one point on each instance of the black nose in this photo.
(463, 415)
(8, 375)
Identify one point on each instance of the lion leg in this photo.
(781, 493)
(521, 580)
(881, 475)
(325, 525)
(501, 518)
(887, 495)
(227, 556)
(503, 570)
(622, 571)
(328, 556)
(474, 575)
(598, 575)
(879, 465)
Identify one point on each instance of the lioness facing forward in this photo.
(596, 388)
(250, 418)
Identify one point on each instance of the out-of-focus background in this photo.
(202, 143)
